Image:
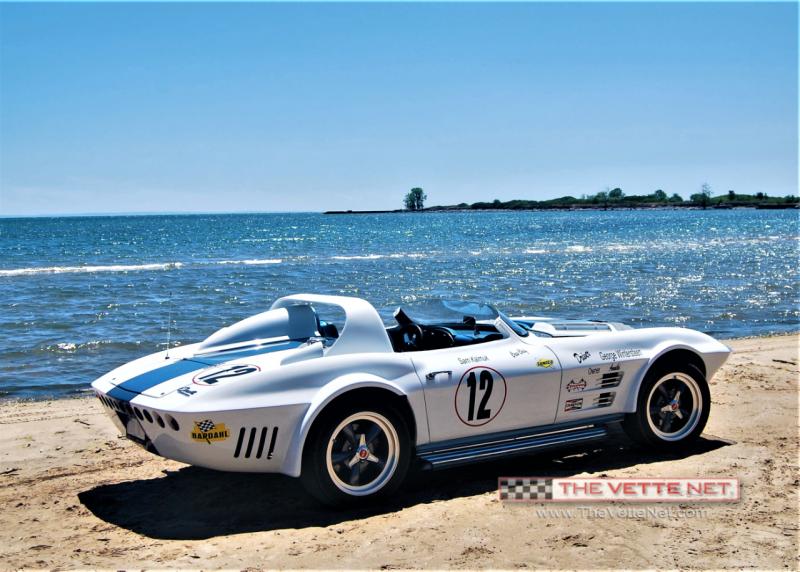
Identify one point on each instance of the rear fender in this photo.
(712, 356)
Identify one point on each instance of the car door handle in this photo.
(432, 375)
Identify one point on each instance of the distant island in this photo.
(605, 200)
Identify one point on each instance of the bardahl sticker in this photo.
(545, 362)
(209, 431)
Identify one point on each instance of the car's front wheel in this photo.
(672, 408)
(356, 452)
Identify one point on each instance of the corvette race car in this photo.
(347, 411)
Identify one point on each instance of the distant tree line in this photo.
(616, 198)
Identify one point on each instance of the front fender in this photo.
(326, 394)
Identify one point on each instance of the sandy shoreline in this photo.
(74, 495)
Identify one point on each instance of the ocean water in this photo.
(80, 296)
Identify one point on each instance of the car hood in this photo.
(160, 374)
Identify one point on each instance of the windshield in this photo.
(431, 312)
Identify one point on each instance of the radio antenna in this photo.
(169, 324)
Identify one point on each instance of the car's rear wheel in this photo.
(356, 452)
(672, 408)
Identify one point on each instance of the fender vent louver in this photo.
(611, 379)
(253, 442)
(604, 399)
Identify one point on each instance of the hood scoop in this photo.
(564, 329)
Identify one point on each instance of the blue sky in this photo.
(287, 107)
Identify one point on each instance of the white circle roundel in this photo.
(480, 395)
(216, 374)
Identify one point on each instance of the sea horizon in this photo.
(444, 209)
(82, 295)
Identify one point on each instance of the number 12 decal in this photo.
(487, 382)
(480, 396)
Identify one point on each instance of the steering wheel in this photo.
(439, 338)
(412, 336)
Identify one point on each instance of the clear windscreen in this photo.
(431, 312)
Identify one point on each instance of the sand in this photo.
(75, 495)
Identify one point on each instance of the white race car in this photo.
(285, 392)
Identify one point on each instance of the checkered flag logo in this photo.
(525, 489)
(205, 426)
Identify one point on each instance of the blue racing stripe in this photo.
(121, 394)
(129, 389)
(145, 381)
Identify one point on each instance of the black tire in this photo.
(327, 483)
(661, 421)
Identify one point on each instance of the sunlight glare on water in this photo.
(83, 295)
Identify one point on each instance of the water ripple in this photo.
(83, 295)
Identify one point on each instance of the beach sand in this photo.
(75, 495)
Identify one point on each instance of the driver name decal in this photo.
(472, 359)
(620, 354)
(480, 395)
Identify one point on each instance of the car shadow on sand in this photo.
(194, 503)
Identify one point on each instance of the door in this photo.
(487, 388)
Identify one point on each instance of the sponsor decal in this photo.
(582, 357)
(614, 366)
(480, 395)
(573, 404)
(619, 489)
(215, 375)
(209, 431)
(187, 391)
(544, 362)
(472, 359)
(593, 370)
(519, 352)
(616, 355)
(576, 385)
